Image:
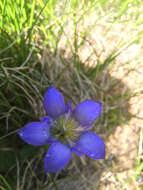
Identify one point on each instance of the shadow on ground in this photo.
(77, 82)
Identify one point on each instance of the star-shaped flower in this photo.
(66, 130)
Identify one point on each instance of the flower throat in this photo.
(66, 129)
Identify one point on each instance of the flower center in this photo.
(66, 129)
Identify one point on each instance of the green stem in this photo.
(53, 181)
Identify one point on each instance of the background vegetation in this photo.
(89, 49)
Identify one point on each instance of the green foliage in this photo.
(31, 58)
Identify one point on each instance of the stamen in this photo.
(66, 129)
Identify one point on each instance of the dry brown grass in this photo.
(122, 143)
(118, 87)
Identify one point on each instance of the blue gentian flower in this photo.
(66, 130)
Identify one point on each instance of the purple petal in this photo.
(87, 111)
(57, 157)
(54, 102)
(91, 144)
(35, 133)
(52, 140)
(46, 119)
(68, 107)
(78, 153)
